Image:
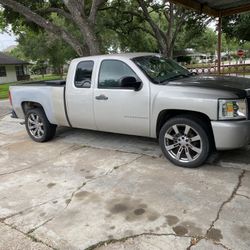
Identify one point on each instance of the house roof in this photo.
(10, 60)
(216, 8)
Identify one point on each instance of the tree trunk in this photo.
(87, 30)
(170, 31)
(88, 34)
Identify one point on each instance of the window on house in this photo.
(19, 70)
(2, 71)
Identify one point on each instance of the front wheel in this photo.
(38, 126)
(185, 141)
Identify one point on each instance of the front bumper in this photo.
(231, 134)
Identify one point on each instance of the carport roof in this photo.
(216, 8)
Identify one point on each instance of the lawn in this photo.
(4, 88)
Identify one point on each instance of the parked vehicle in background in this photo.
(145, 95)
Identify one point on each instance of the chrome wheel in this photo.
(183, 143)
(35, 126)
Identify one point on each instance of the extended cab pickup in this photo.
(145, 95)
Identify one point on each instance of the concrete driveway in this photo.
(4, 108)
(91, 190)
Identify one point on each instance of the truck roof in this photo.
(115, 56)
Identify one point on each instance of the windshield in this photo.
(160, 69)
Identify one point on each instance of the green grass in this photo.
(4, 88)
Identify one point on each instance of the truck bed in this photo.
(50, 94)
(53, 83)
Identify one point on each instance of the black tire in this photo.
(189, 150)
(49, 130)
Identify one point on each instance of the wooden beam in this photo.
(219, 44)
(195, 5)
(236, 10)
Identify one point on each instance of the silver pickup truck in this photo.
(141, 94)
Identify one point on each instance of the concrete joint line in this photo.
(111, 241)
(34, 239)
(27, 209)
(16, 171)
(42, 224)
(73, 147)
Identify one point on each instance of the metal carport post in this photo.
(218, 9)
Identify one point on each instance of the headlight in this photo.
(232, 109)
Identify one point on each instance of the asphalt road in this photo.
(92, 190)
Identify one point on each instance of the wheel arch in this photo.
(27, 105)
(167, 114)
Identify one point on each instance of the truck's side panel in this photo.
(189, 99)
(50, 98)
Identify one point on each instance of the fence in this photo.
(226, 69)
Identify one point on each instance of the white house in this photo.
(12, 69)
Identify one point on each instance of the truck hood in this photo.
(238, 85)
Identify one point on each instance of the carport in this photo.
(217, 9)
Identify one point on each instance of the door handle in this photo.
(101, 97)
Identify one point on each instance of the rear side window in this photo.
(111, 71)
(83, 74)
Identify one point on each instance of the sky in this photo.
(6, 40)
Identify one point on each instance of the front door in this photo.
(117, 109)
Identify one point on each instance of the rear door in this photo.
(79, 95)
(119, 109)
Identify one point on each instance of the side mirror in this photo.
(130, 82)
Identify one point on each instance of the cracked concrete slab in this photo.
(129, 201)
(57, 177)
(76, 193)
(11, 239)
(233, 227)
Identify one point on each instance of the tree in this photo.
(123, 28)
(174, 19)
(44, 50)
(81, 14)
(160, 22)
(237, 26)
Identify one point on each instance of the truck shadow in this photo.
(142, 145)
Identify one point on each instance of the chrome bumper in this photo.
(231, 134)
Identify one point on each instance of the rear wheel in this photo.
(38, 126)
(185, 141)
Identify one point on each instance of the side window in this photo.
(83, 74)
(111, 71)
